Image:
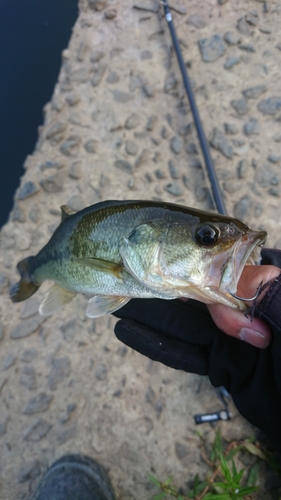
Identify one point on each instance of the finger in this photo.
(234, 323)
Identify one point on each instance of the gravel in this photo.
(197, 21)
(242, 209)
(131, 148)
(97, 4)
(70, 147)
(243, 27)
(98, 73)
(73, 99)
(232, 38)
(29, 355)
(132, 121)
(191, 148)
(171, 82)
(247, 47)
(151, 123)
(101, 372)
(241, 106)
(174, 188)
(29, 471)
(175, 172)
(242, 169)
(252, 127)
(28, 377)
(61, 368)
(254, 92)
(270, 106)
(142, 158)
(230, 128)
(274, 158)
(122, 97)
(28, 189)
(211, 48)
(91, 146)
(110, 13)
(52, 184)
(124, 165)
(9, 361)
(176, 144)
(26, 327)
(112, 78)
(37, 404)
(231, 61)
(219, 141)
(37, 430)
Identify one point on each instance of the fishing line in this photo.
(201, 136)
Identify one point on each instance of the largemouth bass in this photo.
(116, 250)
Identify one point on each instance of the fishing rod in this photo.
(200, 131)
(221, 392)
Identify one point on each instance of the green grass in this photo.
(223, 481)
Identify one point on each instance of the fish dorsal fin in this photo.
(66, 211)
(105, 266)
(54, 299)
(105, 304)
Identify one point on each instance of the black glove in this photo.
(182, 335)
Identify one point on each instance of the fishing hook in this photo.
(252, 298)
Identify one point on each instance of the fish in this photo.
(117, 250)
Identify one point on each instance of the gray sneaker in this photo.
(74, 477)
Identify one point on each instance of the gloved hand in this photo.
(182, 335)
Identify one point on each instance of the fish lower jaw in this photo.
(228, 300)
(209, 295)
(246, 252)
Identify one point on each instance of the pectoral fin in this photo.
(105, 304)
(54, 299)
(140, 253)
(104, 266)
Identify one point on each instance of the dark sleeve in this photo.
(256, 386)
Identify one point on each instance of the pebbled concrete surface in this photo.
(118, 126)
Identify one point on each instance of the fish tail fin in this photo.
(25, 287)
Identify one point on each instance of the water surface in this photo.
(33, 34)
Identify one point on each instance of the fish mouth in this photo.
(245, 252)
(226, 269)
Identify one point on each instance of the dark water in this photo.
(33, 34)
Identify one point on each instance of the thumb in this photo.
(234, 323)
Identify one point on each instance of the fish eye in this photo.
(206, 235)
